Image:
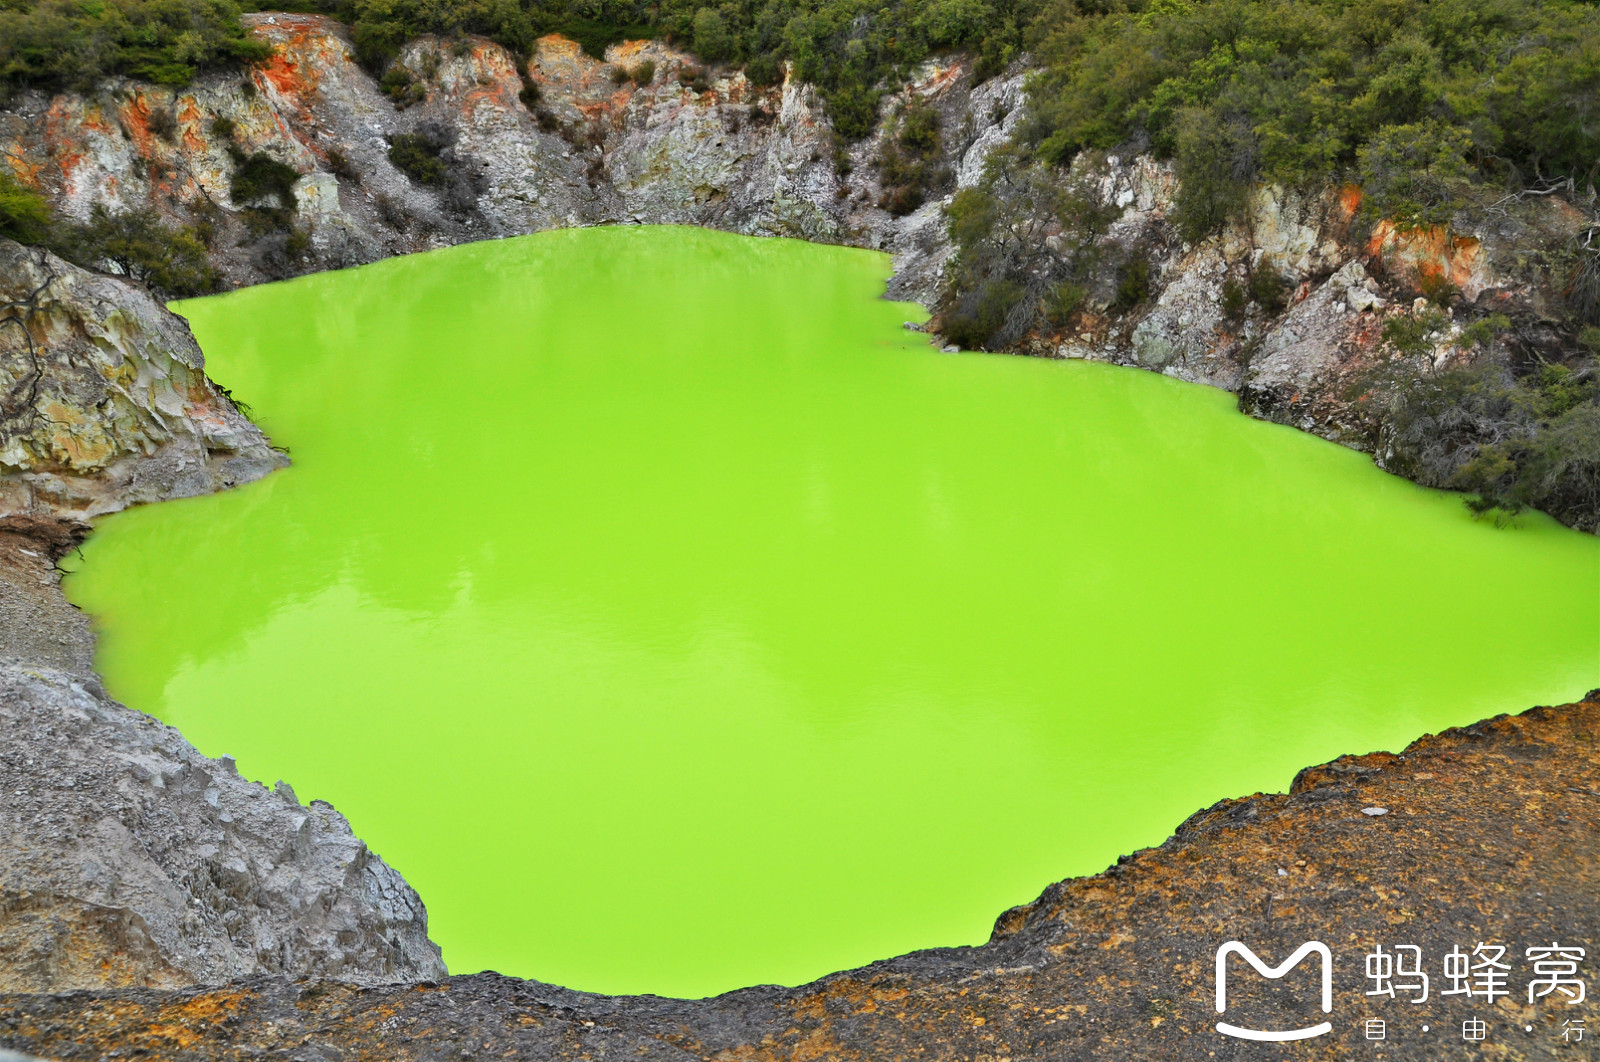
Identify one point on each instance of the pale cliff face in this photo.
(756, 160)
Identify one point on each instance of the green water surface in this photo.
(674, 620)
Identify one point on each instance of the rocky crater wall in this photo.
(564, 139)
(126, 856)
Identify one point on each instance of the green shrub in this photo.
(1134, 287)
(1483, 331)
(428, 157)
(1234, 300)
(694, 78)
(1512, 443)
(907, 160)
(712, 41)
(1417, 173)
(64, 44)
(340, 166)
(170, 260)
(982, 314)
(1269, 289)
(1408, 334)
(1064, 302)
(24, 214)
(402, 86)
(418, 159)
(259, 177)
(1421, 100)
(596, 35)
(644, 73)
(530, 93)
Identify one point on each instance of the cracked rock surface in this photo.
(104, 401)
(127, 858)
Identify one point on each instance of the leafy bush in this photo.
(1134, 287)
(402, 86)
(1064, 302)
(1512, 442)
(1025, 234)
(418, 158)
(1420, 100)
(981, 314)
(281, 254)
(712, 41)
(259, 177)
(1234, 300)
(428, 156)
(1416, 174)
(907, 162)
(1268, 288)
(1409, 334)
(644, 73)
(340, 166)
(530, 92)
(24, 214)
(170, 260)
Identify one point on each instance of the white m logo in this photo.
(1234, 947)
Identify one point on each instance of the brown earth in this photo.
(1490, 833)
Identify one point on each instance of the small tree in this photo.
(712, 41)
(24, 215)
(169, 260)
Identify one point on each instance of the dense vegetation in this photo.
(1418, 100)
(1440, 110)
(66, 44)
(171, 260)
(1514, 433)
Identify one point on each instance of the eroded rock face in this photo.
(1302, 364)
(127, 858)
(1115, 966)
(703, 148)
(104, 402)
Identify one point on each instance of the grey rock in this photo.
(128, 858)
(104, 402)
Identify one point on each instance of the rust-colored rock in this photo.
(1489, 833)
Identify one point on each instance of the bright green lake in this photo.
(674, 620)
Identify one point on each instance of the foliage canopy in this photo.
(1417, 100)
